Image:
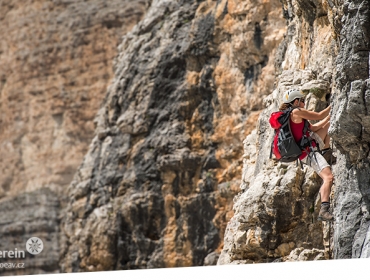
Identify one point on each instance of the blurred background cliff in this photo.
(134, 134)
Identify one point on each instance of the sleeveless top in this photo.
(297, 131)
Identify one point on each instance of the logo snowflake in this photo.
(34, 245)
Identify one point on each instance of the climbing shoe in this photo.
(324, 214)
(328, 155)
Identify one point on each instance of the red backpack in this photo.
(284, 147)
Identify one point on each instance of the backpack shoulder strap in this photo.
(306, 126)
(306, 139)
(290, 110)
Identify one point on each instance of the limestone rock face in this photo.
(325, 50)
(55, 64)
(156, 187)
(351, 132)
(276, 212)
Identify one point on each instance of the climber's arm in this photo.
(311, 115)
(315, 127)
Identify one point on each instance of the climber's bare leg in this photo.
(323, 133)
(327, 177)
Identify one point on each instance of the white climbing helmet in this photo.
(292, 94)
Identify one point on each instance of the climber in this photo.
(319, 133)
